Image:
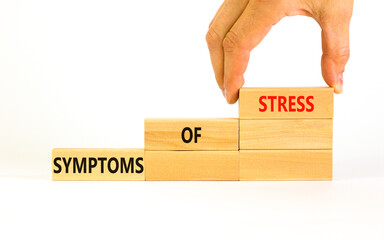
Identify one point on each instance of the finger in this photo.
(227, 15)
(252, 26)
(335, 44)
(217, 13)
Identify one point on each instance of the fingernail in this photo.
(339, 84)
(226, 95)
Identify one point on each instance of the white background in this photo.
(82, 73)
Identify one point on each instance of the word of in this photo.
(189, 130)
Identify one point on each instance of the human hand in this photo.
(240, 25)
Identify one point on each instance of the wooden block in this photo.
(286, 103)
(286, 165)
(286, 134)
(97, 164)
(191, 134)
(192, 165)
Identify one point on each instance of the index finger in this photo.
(246, 34)
(224, 19)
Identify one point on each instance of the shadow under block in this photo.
(97, 164)
(192, 165)
(286, 134)
(286, 103)
(286, 165)
(191, 134)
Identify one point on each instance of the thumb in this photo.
(335, 44)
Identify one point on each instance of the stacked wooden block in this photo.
(286, 134)
(98, 164)
(191, 149)
(281, 134)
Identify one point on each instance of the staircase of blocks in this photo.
(280, 134)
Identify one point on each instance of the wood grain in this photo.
(97, 164)
(216, 134)
(286, 134)
(251, 107)
(192, 165)
(286, 165)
